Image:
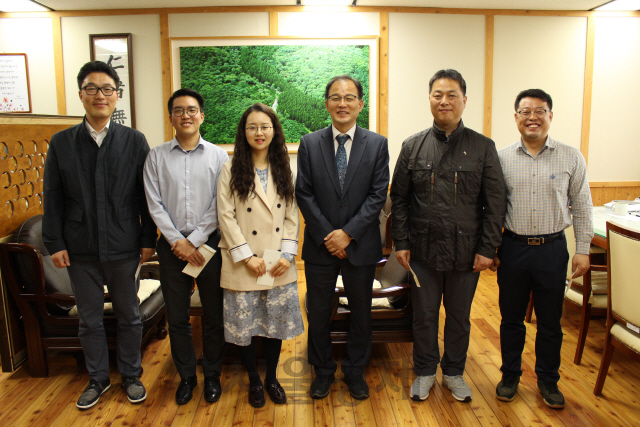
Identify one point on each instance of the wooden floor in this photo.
(25, 401)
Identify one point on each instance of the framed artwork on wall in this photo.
(116, 50)
(15, 96)
(289, 75)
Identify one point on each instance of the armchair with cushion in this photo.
(392, 322)
(44, 297)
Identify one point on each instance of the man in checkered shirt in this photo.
(546, 184)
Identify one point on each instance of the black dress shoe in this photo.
(212, 389)
(321, 386)
(276, 393)
(256, 396)
(185, 390)
(358, 387)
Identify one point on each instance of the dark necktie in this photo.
(341, 158)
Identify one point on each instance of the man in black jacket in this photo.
(449, 200)
(97, 225)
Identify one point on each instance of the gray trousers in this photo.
(88, 279)
(456, 289)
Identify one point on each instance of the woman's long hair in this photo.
(242, 167)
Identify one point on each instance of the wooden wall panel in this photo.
(604, 192)
(23, 152)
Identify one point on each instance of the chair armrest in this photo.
(393, 291)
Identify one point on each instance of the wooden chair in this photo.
(588, 294)
(623, 316)
(44, 297)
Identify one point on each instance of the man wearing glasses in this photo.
(180, 179)
(343, 176)
(96, 225)
(449, 200)
(546, 183)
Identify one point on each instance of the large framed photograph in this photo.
(289, 75)
(15, 96)
(116, 51)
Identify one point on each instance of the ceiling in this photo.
(458, 4)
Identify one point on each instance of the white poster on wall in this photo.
(14, 83)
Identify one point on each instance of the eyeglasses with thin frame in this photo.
(179, 112)
(93, 90)
(540, 113)
(349, 99)
(254, 129)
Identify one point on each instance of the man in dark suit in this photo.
(343, 177)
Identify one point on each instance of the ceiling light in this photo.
(620, 5)
(21, 6)
(327, 2)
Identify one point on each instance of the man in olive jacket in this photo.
(96, 225)
(449, 200)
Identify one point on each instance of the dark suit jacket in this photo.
(356, 209)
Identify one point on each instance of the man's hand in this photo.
(146, 253)
(579, 265)
(61, 259)
(257, 265)
(481, 263)
(183, 249)
(404, 258)
(341, 254)
(196, 259)
(280, 268)
(336, 241)
(495, 264)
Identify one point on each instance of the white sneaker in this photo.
(421, 386)
(458, 386)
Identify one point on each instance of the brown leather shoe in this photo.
(256, 396)
(276, 393)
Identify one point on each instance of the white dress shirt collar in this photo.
(98, 137)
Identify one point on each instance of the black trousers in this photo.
(176, 288)
(541, 270)
(358, 285)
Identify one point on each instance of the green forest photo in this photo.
(289, 78)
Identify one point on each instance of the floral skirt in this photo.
(273, 313)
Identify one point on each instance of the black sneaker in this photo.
(134, 388)
(506, 390)
(92, 393)
(321, 386)
(358, 387)
(551, 396)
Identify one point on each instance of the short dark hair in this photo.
(534, 93)
(344, 77)
(186, 92)
(97, 67)
(451, 75)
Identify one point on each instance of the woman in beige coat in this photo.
(258, 219)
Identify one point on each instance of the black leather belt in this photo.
(534, 240)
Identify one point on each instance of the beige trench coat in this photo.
(263, 221)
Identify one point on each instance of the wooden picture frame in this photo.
(15, 93)
(117, 51)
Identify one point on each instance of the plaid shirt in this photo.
(541, 189)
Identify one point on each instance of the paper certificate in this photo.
(207, 252)
(270, 258)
